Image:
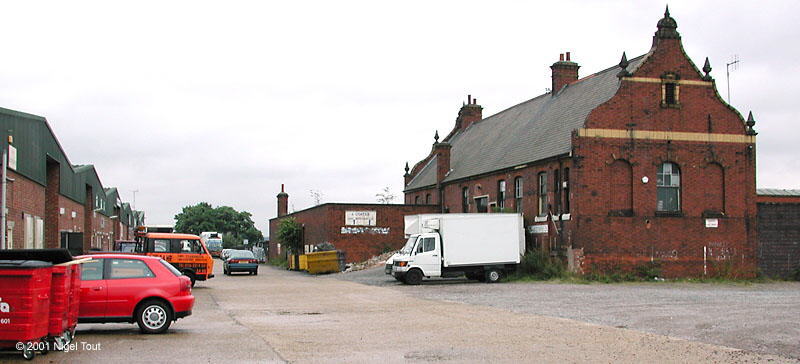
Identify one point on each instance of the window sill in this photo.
(713, 214)
(669, 214)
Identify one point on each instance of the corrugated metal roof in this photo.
(777, 192)
(36, 144)
(536, 129)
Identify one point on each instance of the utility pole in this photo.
(134, 199)
(735, 64)
(4, 204)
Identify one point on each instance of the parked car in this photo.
(240, 261)
(133, 288)
(224, 254)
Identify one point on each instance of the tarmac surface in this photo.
(759, 317)
(280, 316)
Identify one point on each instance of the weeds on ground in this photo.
(539, 266)
(278, 262)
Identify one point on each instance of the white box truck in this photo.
(479, 246)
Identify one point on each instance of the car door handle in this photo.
(97, 288)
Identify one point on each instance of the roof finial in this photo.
(623, 64)
(667, 27)
(707, 70)
(407, 168)
(436, 137)
(750, 123)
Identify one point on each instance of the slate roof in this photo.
(777, 192)
(536, 129)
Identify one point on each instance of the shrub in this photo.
(649, 271)
(539, 265)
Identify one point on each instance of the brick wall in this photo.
(326, 223)
(24, 197)
(779, 238)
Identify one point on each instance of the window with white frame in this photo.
(518, 194)
(668, 188)
(501, 194)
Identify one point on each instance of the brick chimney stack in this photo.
(469, 113)
(283, 202)
(442, 152)
(564, 72)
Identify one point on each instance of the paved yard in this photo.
(764, 318)
(281, 316)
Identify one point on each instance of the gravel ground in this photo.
(764, 317)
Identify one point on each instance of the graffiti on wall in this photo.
(365, 230)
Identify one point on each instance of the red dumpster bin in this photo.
(60, 294)
(74, 301)
(24, 304)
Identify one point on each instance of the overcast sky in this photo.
(222, 102)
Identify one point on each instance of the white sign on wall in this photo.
(538, 229)
(362, 218)
(712, 223)
(12, 157)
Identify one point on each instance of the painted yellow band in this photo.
(658, 80)
(666, 135)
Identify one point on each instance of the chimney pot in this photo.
(567, 56)
(469, 99)
(561, 57)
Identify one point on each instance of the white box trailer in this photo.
(479, 246)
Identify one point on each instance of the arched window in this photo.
(501, 194)
(428, 199)
(465, 199)
(668, 188)
(416, 200)
(542, 176)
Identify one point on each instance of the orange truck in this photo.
(186, 252)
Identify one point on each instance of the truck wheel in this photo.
(413, 277)
(493, 276)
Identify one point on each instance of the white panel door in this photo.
(38, 242)
(28, 231)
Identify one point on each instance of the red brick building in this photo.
(637, 164)
(51, 202)
(361, 230)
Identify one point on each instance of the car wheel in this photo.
(153, 317)
(28, 353)
(493, 276)
(224, 271)
(255, 272)
(414, 277)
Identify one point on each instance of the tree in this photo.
(290, 234)
(223, 219)
(385, 196)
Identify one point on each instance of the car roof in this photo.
(118, 255)
(171, 236)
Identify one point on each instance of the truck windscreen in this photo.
(409, 245)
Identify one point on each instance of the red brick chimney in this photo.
(564, 72)
(283, 202)
(469, 113)
(442, 151)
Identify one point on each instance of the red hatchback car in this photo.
(133, 288)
